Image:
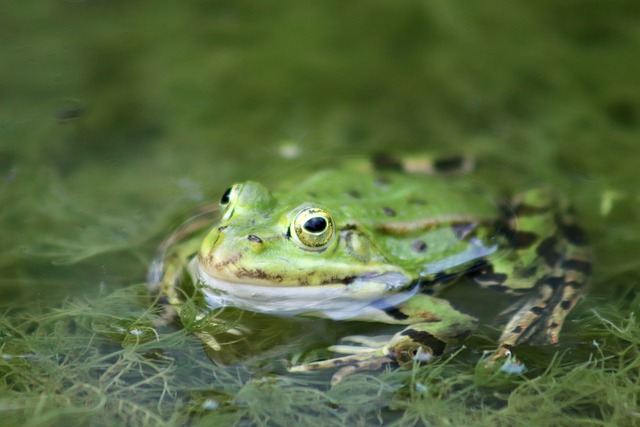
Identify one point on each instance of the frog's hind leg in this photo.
(540, 319)
(556, 268)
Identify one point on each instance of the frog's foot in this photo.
(413, 344)
(366, 350)
(502, 353)
(504, 360)
(364, 361)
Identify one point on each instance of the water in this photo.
(117, 119)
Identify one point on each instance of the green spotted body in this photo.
(379, 245)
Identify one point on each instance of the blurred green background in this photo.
(116, 117)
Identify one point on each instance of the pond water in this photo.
(117, 119)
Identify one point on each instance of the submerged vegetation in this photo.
(119, 119)
(103, 358)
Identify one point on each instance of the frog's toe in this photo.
(401, 350)
(239, 331)
(370, 364)
(352, 359)
(367, 353)
(351, 349)
(376, 341)
(504, 360)
(363, 344)
(348, 365)
(209, 341)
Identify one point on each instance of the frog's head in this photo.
(288, 241)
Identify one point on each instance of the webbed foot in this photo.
(348, 364)
(403, 349)
(503, 360)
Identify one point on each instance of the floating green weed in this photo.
(118, 118)
(103, 362)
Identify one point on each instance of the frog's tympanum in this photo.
(379, 245)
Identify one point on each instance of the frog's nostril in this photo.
(254, 238)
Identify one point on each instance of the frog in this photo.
(381, 243)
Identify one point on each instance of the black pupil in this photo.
(315, 224)
(225, 197)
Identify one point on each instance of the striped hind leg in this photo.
(555, 265)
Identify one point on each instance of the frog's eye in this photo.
(228, 200)
(313, 228)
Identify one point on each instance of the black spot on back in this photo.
(354, 193)
(388, 211)
(419, 246)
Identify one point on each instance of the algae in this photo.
(118, 118)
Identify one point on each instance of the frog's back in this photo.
(389, 197)
(415, 220)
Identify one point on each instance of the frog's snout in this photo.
(220, 244)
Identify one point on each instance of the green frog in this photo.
(380, 244)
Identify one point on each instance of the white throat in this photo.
(333, 301)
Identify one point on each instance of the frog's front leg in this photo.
(167, 274)
(433, 325)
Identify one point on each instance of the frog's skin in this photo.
(379, 246)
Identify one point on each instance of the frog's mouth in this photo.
(361, 299)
